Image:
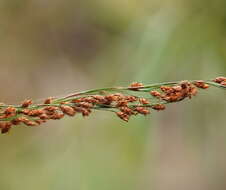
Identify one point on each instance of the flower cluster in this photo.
(122, 101)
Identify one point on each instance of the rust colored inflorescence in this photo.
(123, 102)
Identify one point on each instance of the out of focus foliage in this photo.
(53, 47)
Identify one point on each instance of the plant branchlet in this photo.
(123, 101)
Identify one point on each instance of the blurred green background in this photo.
(55, 47)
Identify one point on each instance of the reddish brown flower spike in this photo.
(125, 104)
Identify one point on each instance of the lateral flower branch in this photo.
(123, 101)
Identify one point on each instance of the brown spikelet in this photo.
(48, 100)
(166, 89)
(121, 103)
(193, 91)
(155, 93)
(25, 111)
(68, 110)
(111, 98)
(26, 103)
(44, 116)
(159, 107)
(131, 98)
(144, 101)
(5, 127)
(220, 80)
(86, 112)
(136, 85)
(99, 98)
(10, 110)
(142, 110)
(39, 121)
(89, 100)
(126, 110)
(56, 116)
(123, 116)
(35, 112)
(51, 108)
(85, 105)
(26, 121)
(15, 121)
(201, 84)
(223, 83)
(177, 88)
(30, 123)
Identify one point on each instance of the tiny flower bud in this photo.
(26, 103)
(144, 101)
(68, 110)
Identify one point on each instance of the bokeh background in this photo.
(55, 47)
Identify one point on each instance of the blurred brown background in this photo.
(53, 47)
